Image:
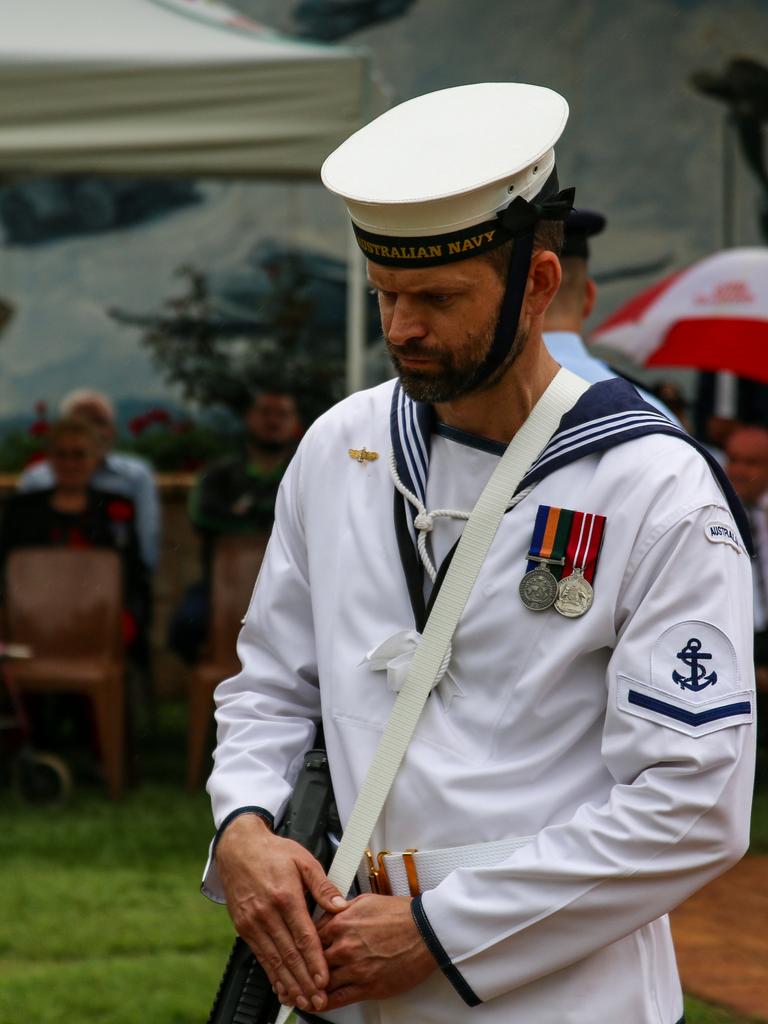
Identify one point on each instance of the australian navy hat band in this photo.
(431, 250)
(520, 217)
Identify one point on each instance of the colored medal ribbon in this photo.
(551, 535)
(583, 546)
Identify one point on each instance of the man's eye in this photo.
(382, 295)
(439, 299)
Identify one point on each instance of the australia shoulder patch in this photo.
(695, 684)
(718, 532)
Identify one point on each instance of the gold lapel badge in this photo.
(362, 455)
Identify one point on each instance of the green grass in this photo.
(101, 919)
(697, 1012)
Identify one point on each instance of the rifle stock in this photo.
(245, 995)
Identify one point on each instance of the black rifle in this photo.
(245, 994)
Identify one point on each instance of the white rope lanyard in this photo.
(424, 520)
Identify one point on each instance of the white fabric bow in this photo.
(395, 656)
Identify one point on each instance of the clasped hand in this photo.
(366, 948)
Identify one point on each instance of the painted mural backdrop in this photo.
(97, 278)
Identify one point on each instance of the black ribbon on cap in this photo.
(518, 221)
(522, 214)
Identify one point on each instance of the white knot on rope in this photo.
(424, 521)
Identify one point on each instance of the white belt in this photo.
(413, 871)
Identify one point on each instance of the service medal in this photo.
(562, 560)
(538, 588)
(574, 595)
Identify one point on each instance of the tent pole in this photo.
(727, 384)
(356, 292)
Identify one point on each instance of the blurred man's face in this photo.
(719, 429)
(747, 465)
(272, 422)
(74, 458)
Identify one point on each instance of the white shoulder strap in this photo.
(476, 538)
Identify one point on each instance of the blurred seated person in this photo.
(573, 305)
(74, 512)
(116, 472)
(236, 496)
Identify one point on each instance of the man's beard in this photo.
(461, 368)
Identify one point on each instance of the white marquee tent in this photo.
(187, 87)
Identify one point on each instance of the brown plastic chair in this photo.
(67, 606)
(236, 564)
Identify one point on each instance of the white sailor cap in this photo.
(427, 181)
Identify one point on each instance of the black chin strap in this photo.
(519, 221)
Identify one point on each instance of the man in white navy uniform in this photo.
(573, 305)
(585, 762)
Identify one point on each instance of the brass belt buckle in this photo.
(377, 873)
(378, 878)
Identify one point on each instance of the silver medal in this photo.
(574, 595)
(538, 588)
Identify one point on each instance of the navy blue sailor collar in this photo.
(610, 413)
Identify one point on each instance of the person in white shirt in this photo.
(117, 472)
(573, 305)
(584, 763)
(747, 468)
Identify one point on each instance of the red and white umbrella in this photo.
(711, 316)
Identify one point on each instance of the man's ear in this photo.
(543, 282)
(590, 295)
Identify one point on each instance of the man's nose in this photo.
(405, 323)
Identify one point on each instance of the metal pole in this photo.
(726, 397)
(356, 321)
(728, 195)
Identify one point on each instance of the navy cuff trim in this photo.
(443, 960)
(261, 812)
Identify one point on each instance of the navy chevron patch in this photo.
(694, 718)
(685, 716)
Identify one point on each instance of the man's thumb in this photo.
(325, 893)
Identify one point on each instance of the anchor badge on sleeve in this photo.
(692, 656)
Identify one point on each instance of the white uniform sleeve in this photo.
(682, 760)
(266, 714)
